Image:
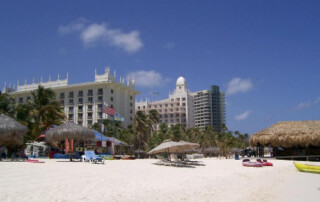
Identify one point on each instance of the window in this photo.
(80, 123)
(62, 102)
(89, 115)
(111, 91)
(144, 107)
(70, 117)
(70, 94)
(183, 99)
(80, 100)
(111, 106)
(70, 109)
(100, 91)
(99, 107)
(138, 107)
(80, 108)
(90, 99)
(160, 106)
(28, 98)
(130, 111)
(89, 107)
(80, 116)
(90, 123)
(80, 93)
(111, 99)
(61, 95)
(100, 99)
(90, 92)
(21, 100)
(130, 104)
(130, 97)
(70, 101)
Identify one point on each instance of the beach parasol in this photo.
(188, 145)
(11, 131)
(167, 146)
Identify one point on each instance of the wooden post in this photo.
(66, 146)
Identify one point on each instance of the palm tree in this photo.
(153, 119)
(41, 111)
(225, 140)
(7, 104)
(140, 128)
(207, 137)
(97, 127)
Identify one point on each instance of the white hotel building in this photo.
(191, 109)
(177, 109)
(83, 103)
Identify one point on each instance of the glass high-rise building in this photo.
(209, 108)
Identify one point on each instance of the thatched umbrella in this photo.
(68, 131)
(188, 145)
(11, 131)
(167, 146)
(288, 134)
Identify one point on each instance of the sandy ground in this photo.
(141, 180)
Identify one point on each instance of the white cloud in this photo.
(305, 105)
(148, 79)
(243, 116)
(238, 85)
(94, 33)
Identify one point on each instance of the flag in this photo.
(118, 117)
(108, 110)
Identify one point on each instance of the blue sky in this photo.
(263, 54)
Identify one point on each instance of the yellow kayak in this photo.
(307, 168)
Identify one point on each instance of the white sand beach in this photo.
(140, 180)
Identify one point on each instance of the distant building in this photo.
(209, 108)
(83, 103)
(177, 109)
(198, 109)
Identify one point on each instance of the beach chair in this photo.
(166, 162)
(90, 156)
(175, 158)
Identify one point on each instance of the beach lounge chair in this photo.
(175, 158)
(91, 157)
(166, 162)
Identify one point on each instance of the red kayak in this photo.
(264, 162)
(251, 164)
(34, 161)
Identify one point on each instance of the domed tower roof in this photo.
(181, 81)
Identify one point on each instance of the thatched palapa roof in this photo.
(69, 130)
(288, 134)
(11, 131)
